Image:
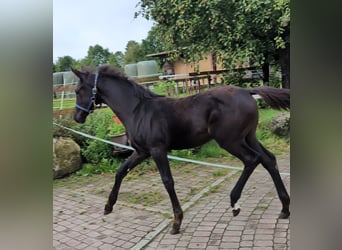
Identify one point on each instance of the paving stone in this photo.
(197, 245)
(81, 246)
(182, 243)
(263, 243)
(278, 246)
(199, 239)
(246, 243)
(263, 237)
(212, 248)
(232, 233)
(218, 230)
(208, 224)
(262, 248)
(247, 237)
(202, 233)
(214, 242)
(280, 240)
(229, 245)
(169, 241)
(231, 239)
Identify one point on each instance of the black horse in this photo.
(156, 124)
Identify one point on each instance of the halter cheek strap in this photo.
(91, 105)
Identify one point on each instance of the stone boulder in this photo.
(66, 157)
(280, 124)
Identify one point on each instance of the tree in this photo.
(153, 42)
(233, 31)
(116, 59)
(64, 63)
(134, 53)
(96, 56)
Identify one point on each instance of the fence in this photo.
(64, 94)
(187, 84)
(64, 84)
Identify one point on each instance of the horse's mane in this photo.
(115, 73)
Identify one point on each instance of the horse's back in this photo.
(190, 121)
(235, 112)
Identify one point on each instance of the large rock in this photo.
(280, 124)
(66, 157)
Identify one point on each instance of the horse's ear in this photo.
(79, 74)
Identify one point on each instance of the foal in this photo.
(156, 124)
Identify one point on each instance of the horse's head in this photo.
(86, 95)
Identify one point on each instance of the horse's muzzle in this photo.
(80, 116)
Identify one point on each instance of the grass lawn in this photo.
(67, 103)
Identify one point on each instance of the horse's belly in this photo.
(189, 141)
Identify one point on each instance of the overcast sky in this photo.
(78, 24)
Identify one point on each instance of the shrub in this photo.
(165, 88)
(99, 124)
(104, 166)
(61, 132)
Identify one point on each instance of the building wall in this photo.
(203, 65)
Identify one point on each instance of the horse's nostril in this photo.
(79, 117)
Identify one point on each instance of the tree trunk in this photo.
(266, 73)
(284, 61)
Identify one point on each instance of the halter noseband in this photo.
(92, 104)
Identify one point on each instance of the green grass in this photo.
(261, 207)
(105, 166)
(74, 180)
(272, 142)
(147, 166)
(193, 191)
(220, 172)
(67, 103)
(145, 199)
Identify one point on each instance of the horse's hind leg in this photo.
(123, 170)
(250, 159)
(269, 162)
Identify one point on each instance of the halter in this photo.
(92, 104)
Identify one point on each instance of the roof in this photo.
(164, 53)
(161, 54)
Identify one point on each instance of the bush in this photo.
(105, 166)
(165, 88)
(61, 132)
(99, 124)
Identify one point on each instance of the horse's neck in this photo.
(121, 99)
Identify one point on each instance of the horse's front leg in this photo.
(160, 157)
(123, 170)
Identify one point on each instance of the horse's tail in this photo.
(276, 98)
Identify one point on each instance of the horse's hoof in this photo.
(236, 211)
(174, 230)
(284, 215)
(107, 210)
